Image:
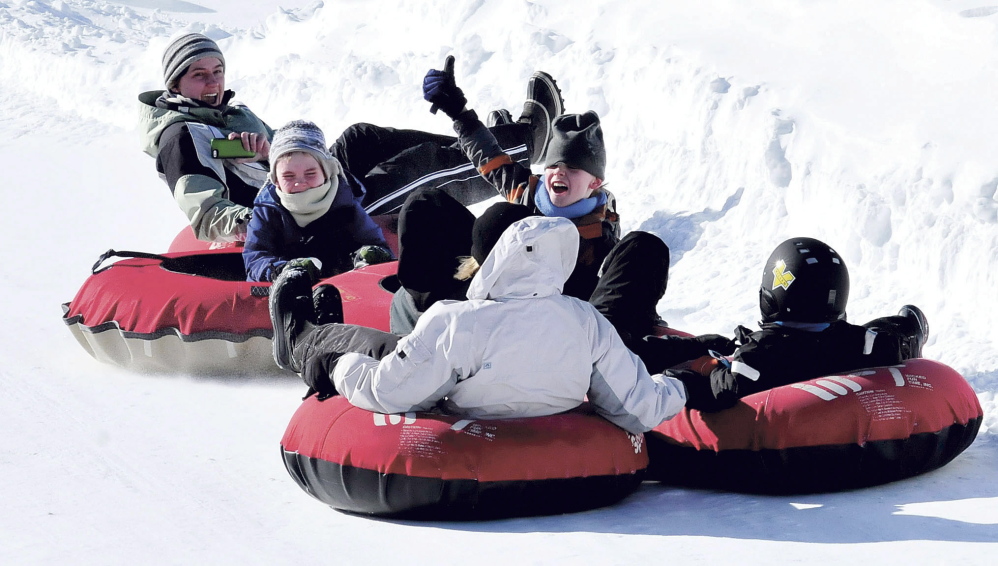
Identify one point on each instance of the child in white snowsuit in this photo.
(517, 347)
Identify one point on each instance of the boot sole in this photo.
(281, 343)
(552, 88)
(279, 351)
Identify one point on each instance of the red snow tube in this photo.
(195, 313)
(430, 466)
(859, 429)
(186, 241)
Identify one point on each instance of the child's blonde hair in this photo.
(468, 268)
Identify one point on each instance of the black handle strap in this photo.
(124, 254)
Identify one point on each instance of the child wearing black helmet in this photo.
(805, 287)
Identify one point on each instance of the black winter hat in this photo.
(490, 226)
(577, 141)
(434, 231)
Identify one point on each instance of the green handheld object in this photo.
(226, 149)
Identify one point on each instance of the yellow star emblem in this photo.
(782, 277)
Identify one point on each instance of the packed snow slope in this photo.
(730, 127)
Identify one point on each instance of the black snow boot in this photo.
(291, 311)
(544, 103)
(328, 304)
(919, 333)
(499, 117)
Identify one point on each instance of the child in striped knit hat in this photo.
(309, 212)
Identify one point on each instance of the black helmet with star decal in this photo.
(804, 281)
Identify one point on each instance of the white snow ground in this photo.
(730, 125)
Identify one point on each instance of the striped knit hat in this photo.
(302, 135)
(183, 52)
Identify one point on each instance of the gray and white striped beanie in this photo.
(302, 135)
(183, 52)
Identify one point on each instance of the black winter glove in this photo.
(316, 375)
(311, 265)
(440, 89)
(720, 344)
(700, 394)
(370, 255)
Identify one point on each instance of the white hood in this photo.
(490, 359)
(533, 258)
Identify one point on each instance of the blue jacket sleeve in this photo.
(264, 240)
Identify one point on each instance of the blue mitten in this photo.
(440, 89)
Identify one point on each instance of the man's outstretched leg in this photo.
(392, 163)
(362, 146)
(322, 346)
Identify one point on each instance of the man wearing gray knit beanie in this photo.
(186, 50)
(177, 127)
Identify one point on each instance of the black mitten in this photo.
(311, 265)
(700, 394)
(720, 344)
(316, 372)
(440, 89)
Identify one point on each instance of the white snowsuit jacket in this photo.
(516, 348)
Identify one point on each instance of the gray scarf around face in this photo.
(308, 206)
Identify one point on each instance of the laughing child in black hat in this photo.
(623, 278)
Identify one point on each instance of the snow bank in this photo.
(730, 127)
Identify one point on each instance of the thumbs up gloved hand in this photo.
(442, 92)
